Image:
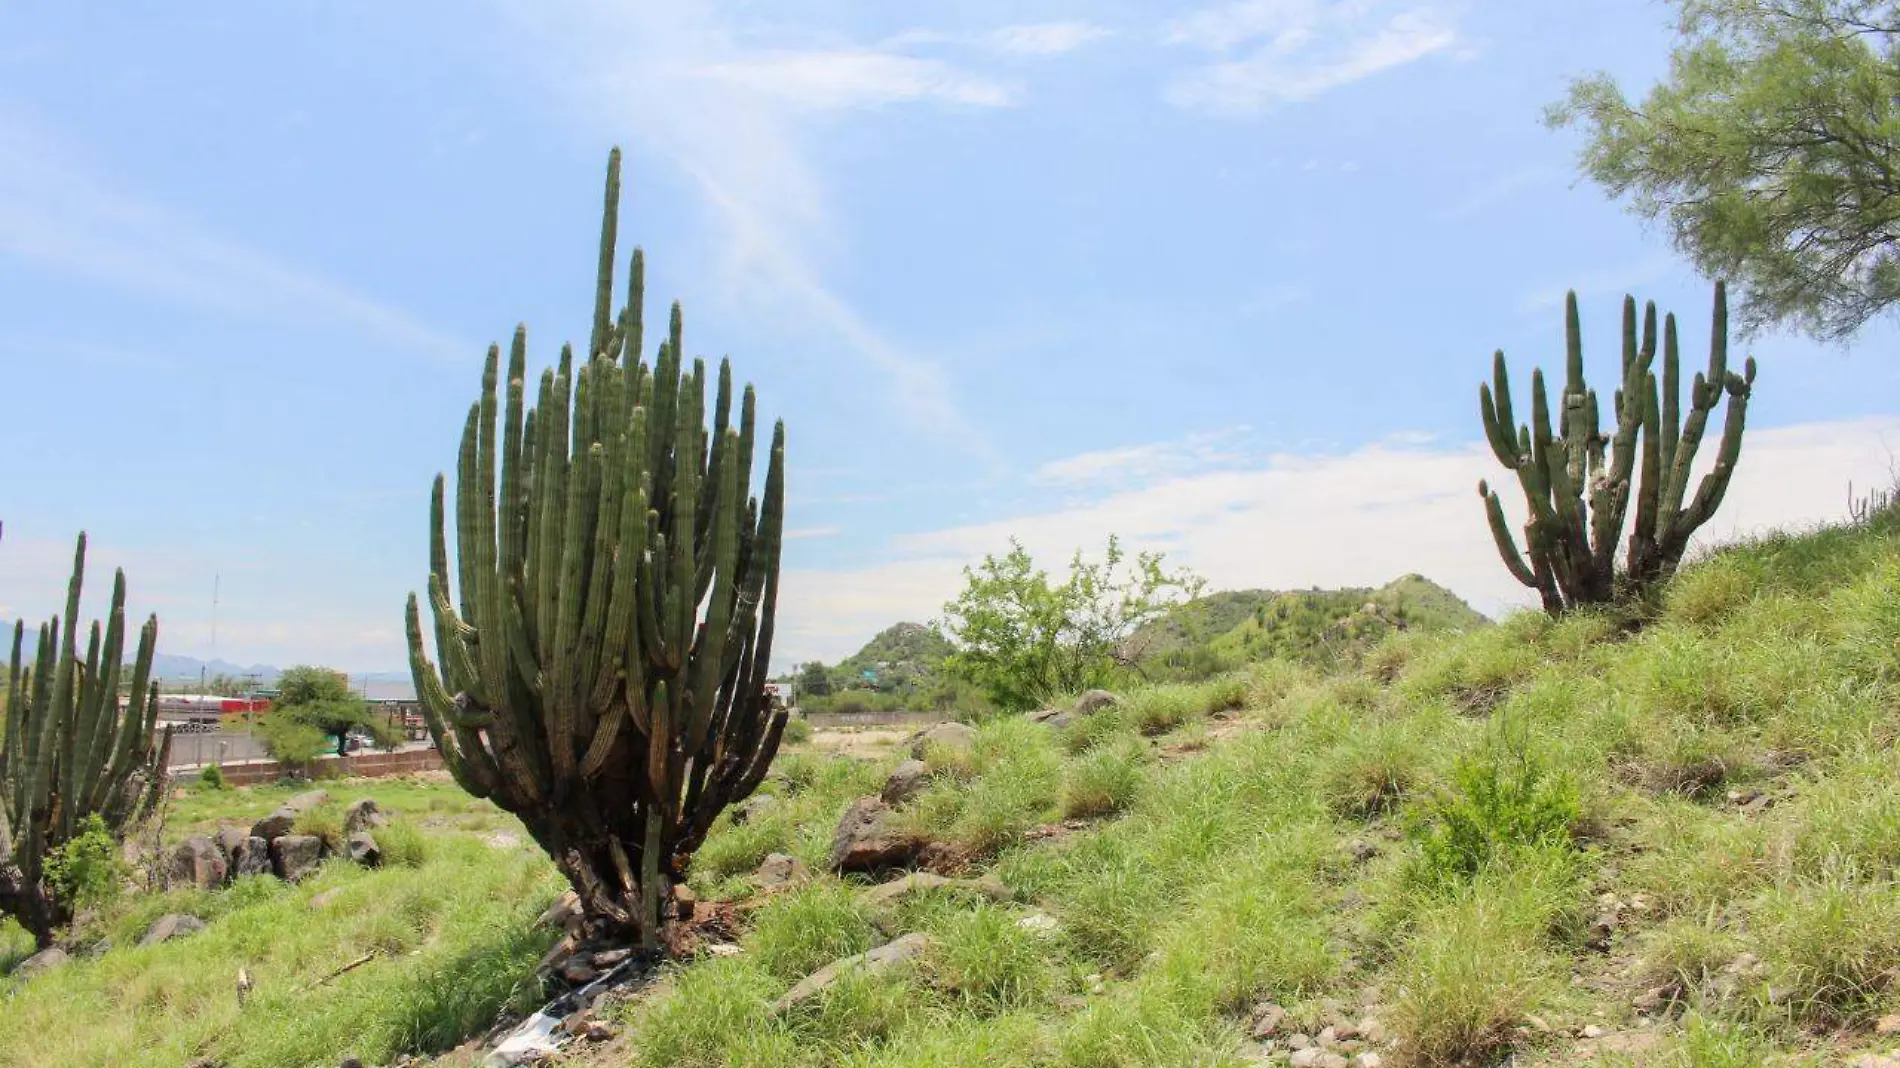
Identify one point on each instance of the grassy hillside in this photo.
(1225, 631)
(1560, 843)
(1551, 841)
(904, 654)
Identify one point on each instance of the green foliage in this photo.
(1104, 780)
(605, 632)
(796, 731)
(314, 704)
(991, 962)
(1025, 639)
(71, 752)
(1768, 152)
(1334, 626)
(1499, 804)
(1578, 483)
(813, 680)
(211, 776)
(86, 869)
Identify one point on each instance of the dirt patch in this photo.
(872, 742)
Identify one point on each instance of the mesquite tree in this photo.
(604, 656)
(1577, 482)
(72, 750)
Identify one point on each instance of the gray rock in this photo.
(1267, 1018)
(567, 907)
(907, 781)
(885, 893)
(362, 849)
(780, 869)
(954, 736)
(753, 807)
(884, 958)
(169, 926)
(1094, 701)
(243, 854)
(44, 961)
(278, 823)
(363, 815)
(196, 862)
(295, 856)
(866, 840)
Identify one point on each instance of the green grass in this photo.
(1431, 829)
(448, 926)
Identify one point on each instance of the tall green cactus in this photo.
(1577, 482)
(71, 749)
(580, 687)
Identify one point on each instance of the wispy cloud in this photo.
(1287, 521)
(852, 79)
(1496, 190)
(1600, 282)
(1274, 52)
(1135, 464)
(60, 215)
(675, 80)
(1046, 38)
(807, 533)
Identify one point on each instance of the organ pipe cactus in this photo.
(1578, 482)
(71, 749)
(605, 632)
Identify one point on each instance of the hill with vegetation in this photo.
(1665, 840)
(1227, 630)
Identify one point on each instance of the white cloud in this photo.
(1496, 190)
(640, 72)
(1603, 282)
(851, 79)
(1046, 38)
(1284, 51)
(60, 215)
(1139, 463)
(1359, 518)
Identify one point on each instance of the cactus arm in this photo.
(604, 276)
(462, 752)
(1501, 534)
(1714, 485)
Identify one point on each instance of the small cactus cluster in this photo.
(580, 687)
(1578, 482)
(73, 749)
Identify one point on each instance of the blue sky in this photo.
(1220, 278)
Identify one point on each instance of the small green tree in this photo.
(315, 703)
(813, 680)
(1770, 152)
(1023, 638)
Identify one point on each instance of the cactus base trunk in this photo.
(32, 906)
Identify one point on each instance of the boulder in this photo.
(279, 823)
(169, 926)
(243, 854)
(44, 961)
(907, 781)
(867, 841)
(1094, 701)
(752, 808)
(362, 849)
(364, 815)
(885, 893)
(1053, 718)
(567, 907)
(882, 959)
(294, 856)
(196, 862)
(955, 736)
(780, 869)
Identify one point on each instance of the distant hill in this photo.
(169, 666)
(1238, 626)
(902, 655)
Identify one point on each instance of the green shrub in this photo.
(402, 844)
(988, 960)
(1498, 804)
(798, 730)
(87, 869)
(1103, 780)
(325, 822)
(799, 932)
(211, 776)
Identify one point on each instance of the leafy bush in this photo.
(1104, 780)
(403, 846)
(798, 729)
(212, 777)
(1497, 805)
(87, 870)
